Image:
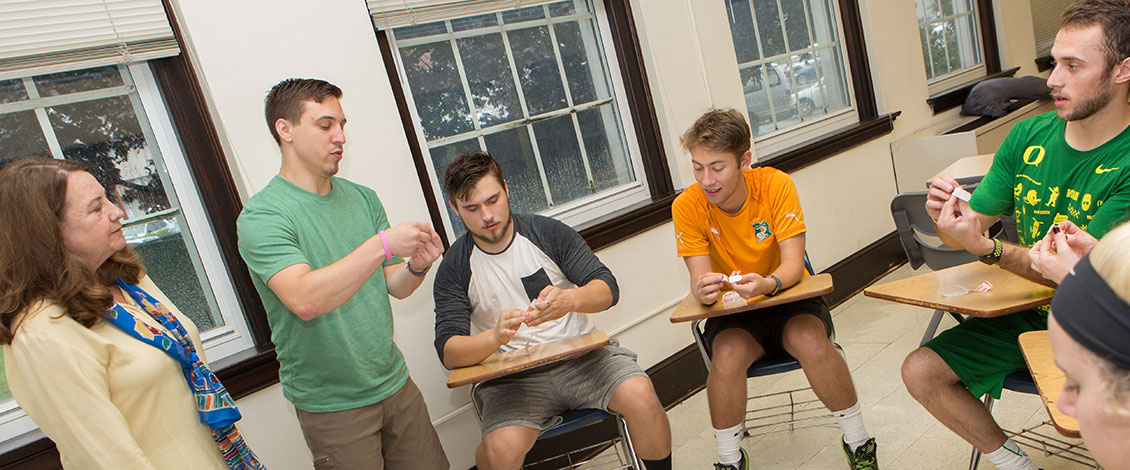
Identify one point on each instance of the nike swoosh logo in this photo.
(1100, 170)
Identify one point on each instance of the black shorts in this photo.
(767, 325)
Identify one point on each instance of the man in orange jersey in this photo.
(738, 221)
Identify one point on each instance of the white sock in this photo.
(851, 421)
(1010, 457)
(729, 444)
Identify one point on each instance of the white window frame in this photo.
(950, 80)
(16, 428)
(771, 143)
(574, 213)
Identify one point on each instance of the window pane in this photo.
(537, 69)
(514, 153)
(742, 30)
(561, 155)
(167, 262)
(574, 46)
(490, 78)
(472, 22)
(796, 24)
(562, 8)
(21, 136)
(441, 157)
(421, 30)
(433, 77)
(12, 90)
(769, 27)
(604, 143)
(948, 31)
(81, 80)
(523, 14)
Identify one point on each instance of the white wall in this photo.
(241, 49)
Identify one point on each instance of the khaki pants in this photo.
(395, 433)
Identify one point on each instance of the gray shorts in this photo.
(536, 398)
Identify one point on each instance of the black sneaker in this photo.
(863, 458)
(743, 464)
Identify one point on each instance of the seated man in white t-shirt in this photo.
(514, 280)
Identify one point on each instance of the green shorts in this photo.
(983, 351)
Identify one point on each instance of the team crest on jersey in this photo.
(761, 230)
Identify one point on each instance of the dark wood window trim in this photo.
(830, 144)
(991, 57)
(955, 97)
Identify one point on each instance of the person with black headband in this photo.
(1090, 333)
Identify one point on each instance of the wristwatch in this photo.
(993, 256)
(775, 289)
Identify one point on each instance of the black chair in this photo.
(623, 455)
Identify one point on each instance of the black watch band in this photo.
(408, 266)
(775, 289)
(995, 255)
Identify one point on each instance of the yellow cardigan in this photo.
(105, 398)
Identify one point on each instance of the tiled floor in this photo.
(876, 336)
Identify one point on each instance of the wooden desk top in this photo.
(808, 287)
(967, 167)
(1010, 293)
(499, 364)
(1037, 348)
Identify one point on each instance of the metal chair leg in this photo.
(626, 439)
(932, 328)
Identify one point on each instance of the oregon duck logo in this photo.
(1034, 155)
(761, 230)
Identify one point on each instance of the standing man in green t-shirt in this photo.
(324, 260)
(1072, 165)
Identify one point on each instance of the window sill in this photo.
(954, 97)
(830, 144)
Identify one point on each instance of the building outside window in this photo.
(534, 87)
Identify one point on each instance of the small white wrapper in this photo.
(962, 194)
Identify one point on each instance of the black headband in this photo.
(1093, 314)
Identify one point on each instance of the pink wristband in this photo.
(384, 240)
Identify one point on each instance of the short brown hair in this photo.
(34, 264)
(719, 130)
(285, 99)
(465, 171)
(1114, 18)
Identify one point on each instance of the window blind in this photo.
(1045, 23)
(45, 36)
(388, 14)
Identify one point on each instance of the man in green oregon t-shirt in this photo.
(324, 260)
(1072, 165)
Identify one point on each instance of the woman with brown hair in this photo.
(94, 352)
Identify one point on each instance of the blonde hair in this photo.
(1111, 259)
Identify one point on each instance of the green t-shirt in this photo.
(1038, 177)
(346, 358)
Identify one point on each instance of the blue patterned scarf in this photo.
(216, 407)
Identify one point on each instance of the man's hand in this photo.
(708, 287)
(408, 238)
(427, 253)
(960, 223)
(1056, 254)
(552, 303)
(753, 285)
(509, 321)
(941, 187)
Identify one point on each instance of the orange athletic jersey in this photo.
(746, 241)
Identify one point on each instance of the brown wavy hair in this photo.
(34, 264)
(719, 130)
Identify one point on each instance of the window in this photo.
(533, 87)
(1045, 24)
(112, 119)
(950, 44)
(792, 66)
